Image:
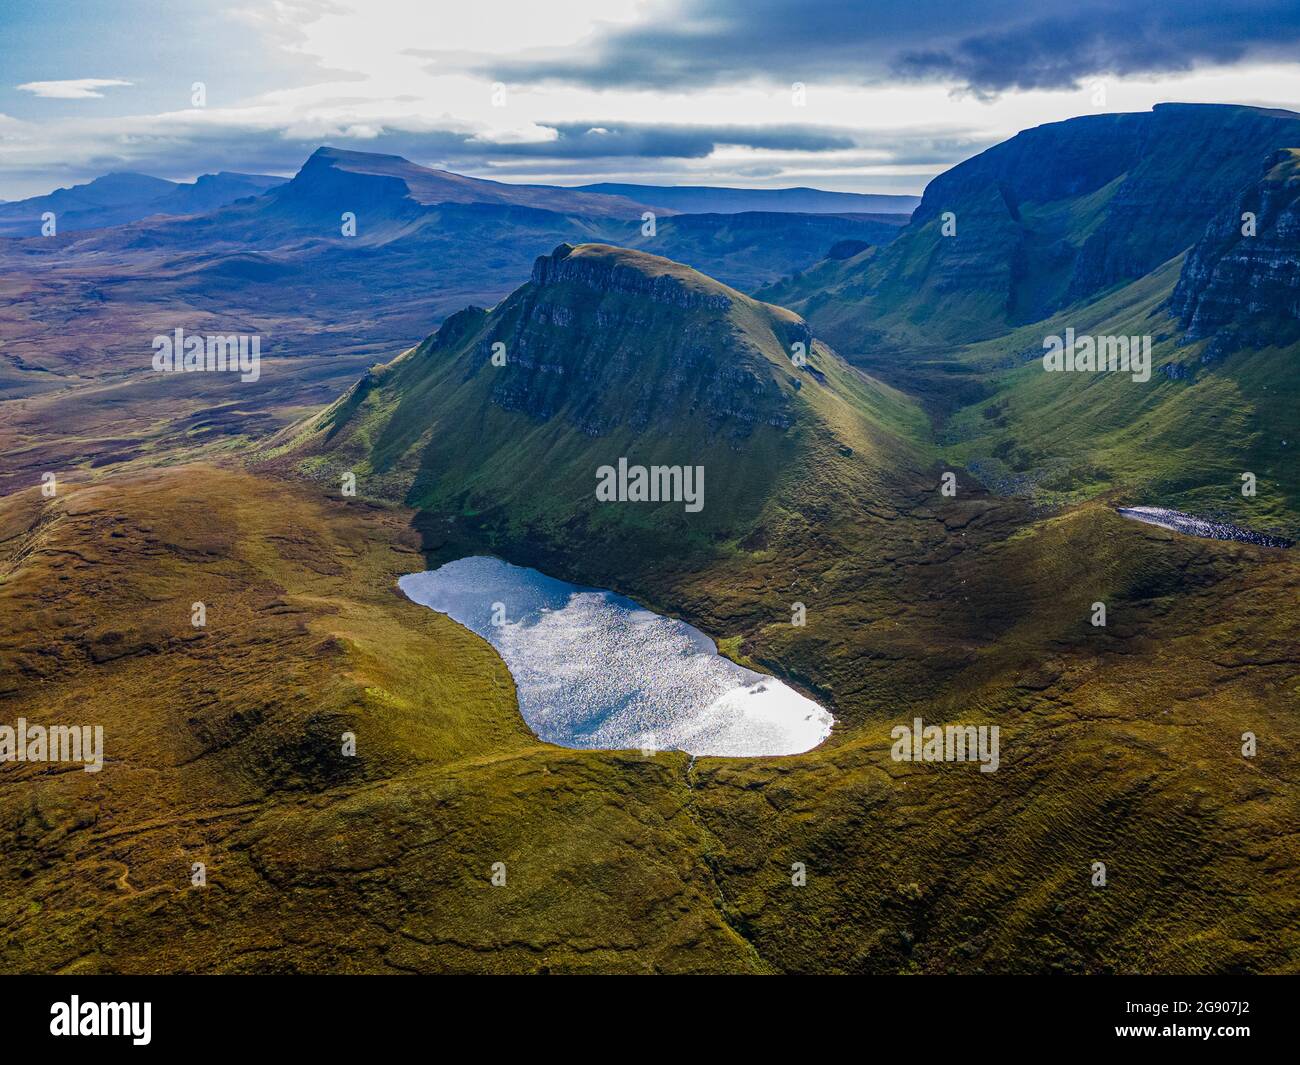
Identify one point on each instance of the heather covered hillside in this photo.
(695, 487)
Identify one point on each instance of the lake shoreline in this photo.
(1189, 524)
(595, 670)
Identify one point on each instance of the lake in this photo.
(594, 670)
(1203, 527)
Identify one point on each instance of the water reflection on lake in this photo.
(595, 670)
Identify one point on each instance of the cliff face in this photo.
(1191, 161)
(605, 337)
(606, 274)
(1233, 278)
(1173, 168)
(1055, 215)
(1046, 163)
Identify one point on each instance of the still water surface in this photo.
(596, 670)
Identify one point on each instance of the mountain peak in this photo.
(429, 187)
(606, 268)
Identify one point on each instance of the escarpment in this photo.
(1244, 272)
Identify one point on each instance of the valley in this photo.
(901, 516)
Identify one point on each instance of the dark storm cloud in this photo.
(988, 47)
(587, 140)
(270, 151)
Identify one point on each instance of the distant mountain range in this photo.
(118, 198)
(706, 199)
(360, 252)
(1083, 225)
(1125, 224)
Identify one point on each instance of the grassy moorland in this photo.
(223, 746)
(1120, 744)
(1182, 439)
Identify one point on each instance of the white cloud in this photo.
(408, 77)
(71, 89)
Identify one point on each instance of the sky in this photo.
(861, 96)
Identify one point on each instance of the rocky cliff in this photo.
(1244, 272)
(607, 337)
(1054, 216)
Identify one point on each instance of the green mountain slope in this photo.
(1055, 216)
(960, 609)
(1059, 229)
(610, 353)
(1182, 439)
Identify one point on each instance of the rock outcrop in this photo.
(1244, 273)
(609, 273)
(606, 337)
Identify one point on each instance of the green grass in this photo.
(1062, 437)
(1119, 744)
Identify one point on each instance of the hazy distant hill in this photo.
(701, 199)
(426, 244)
(118, 198)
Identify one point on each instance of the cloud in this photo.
(71, 89)
(985, 48)
(182, 145)
(585, 140)
(695, 89)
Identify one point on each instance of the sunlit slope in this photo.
(608, 354)
(1210, 413)
(1056, 216)
(223, 745)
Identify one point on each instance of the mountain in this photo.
(1115, 225)
(337, 171)
(80, 308)
(609, 353)
(115, 199)
(210, 191)
(1243, 271)
(822, 488)
(414, 210)
(425, 243)
(1054, 216)
(706, 199)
